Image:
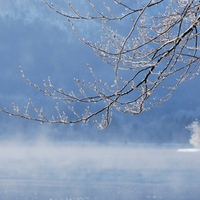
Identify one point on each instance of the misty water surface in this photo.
(46, 170)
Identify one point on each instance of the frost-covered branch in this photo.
(156, 50)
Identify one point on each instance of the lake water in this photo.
(47, 171)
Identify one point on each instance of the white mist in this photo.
(195, 131)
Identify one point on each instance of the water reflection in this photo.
(90, 171)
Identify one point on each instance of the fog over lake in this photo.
(138, 157)
(46, 170)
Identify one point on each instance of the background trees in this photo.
(148, 54)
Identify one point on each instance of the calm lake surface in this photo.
(47, 171)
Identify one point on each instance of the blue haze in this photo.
(79, 162)
(42, 42)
